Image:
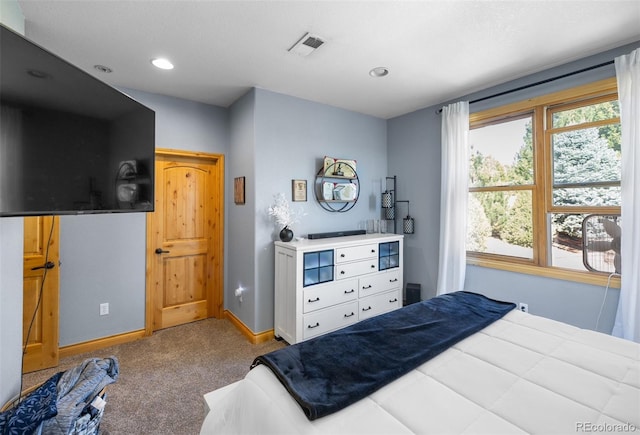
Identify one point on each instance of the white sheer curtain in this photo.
(453, 197)
(627, 323)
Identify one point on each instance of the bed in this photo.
(519, 374)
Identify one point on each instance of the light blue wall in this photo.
(102, 260)
(418, 134)
(186, 125)
(414, 157)
(103, 256)
(570, 302)
(290, 138)
(241, 223)
(11, 264)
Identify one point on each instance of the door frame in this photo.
(216, 303)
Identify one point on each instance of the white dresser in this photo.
(325, 284)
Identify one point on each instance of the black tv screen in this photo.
(69, 143)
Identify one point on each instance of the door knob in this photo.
(160, 251)
(47, 265)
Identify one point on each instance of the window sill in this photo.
(598, 279)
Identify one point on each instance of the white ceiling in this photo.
(436, 50)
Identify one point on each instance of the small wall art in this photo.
(238, 190)
(298, 190)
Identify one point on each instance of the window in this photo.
(537, 169)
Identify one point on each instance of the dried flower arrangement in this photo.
(282, 212)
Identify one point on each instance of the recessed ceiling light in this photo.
(380, 71)
(103, 69)
(162, 63)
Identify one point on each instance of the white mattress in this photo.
(522, 374)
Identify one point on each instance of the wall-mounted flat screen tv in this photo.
(69, 143)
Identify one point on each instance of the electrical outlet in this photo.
(523, 307)
(239, 292)
(104, 309)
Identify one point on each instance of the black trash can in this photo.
(411, 293)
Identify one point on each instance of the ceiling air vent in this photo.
(306, 44)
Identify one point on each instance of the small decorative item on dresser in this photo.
(284, 216)
(286, 235)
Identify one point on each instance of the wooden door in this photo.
(40, 293)
(185, 239)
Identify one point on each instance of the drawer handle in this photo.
(395, 300)
(314, 300)
(366, 309)
(346, 292)
(313, 326)
(349, 315)
(373, 251)
(342, 272)
(393, 280)
(342, 255)
(373, 266)
(364, 287)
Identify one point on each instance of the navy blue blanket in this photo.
(332, 371)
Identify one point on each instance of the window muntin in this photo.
(608, 110)
(558, 200)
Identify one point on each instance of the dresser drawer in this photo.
(355, 253)
(377, 283)
(323, 321)
(378, 304)
(325, 295)
(348, 270)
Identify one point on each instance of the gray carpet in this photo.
(163, 377)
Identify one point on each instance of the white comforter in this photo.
(522, 374)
